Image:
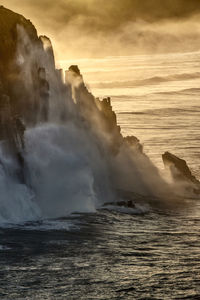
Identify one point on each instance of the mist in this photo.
(94, 28)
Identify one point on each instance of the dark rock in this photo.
(134, 142)
(47, 46)
(9, 43)
(22, 52)
(24, 89)
(75, 69)
(179, 170)
(8, 33)
(44, 95)
(124, 203)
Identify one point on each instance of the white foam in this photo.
(4, 248)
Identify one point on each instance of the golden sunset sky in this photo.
(96, 28)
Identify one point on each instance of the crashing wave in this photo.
(147, 81)
(61, 149)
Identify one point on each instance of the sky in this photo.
(98, 28)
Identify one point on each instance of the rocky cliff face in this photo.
(22, 70)
(9, 36)
(30, 83)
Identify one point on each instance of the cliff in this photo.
(21, 61)
(9, 40)
(65, 118)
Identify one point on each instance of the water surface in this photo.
(145, 254)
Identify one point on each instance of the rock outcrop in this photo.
(98, 111)
(180, 171)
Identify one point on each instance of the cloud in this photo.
(83, 28)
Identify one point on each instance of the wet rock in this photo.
(22, 55)
(44, 95)
(75, 69)
(48, 48)
(179, 170)
(134, 142)
(9, 38)
(123, 203)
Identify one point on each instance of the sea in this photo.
(148, 253)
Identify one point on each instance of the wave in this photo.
(138, 210)
(148, 81)
(189, 91)
(169, 111)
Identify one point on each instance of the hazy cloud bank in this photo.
(84, 28)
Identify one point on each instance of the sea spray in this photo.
(67, 171)
(74, 157)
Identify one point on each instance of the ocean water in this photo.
(145, 253)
